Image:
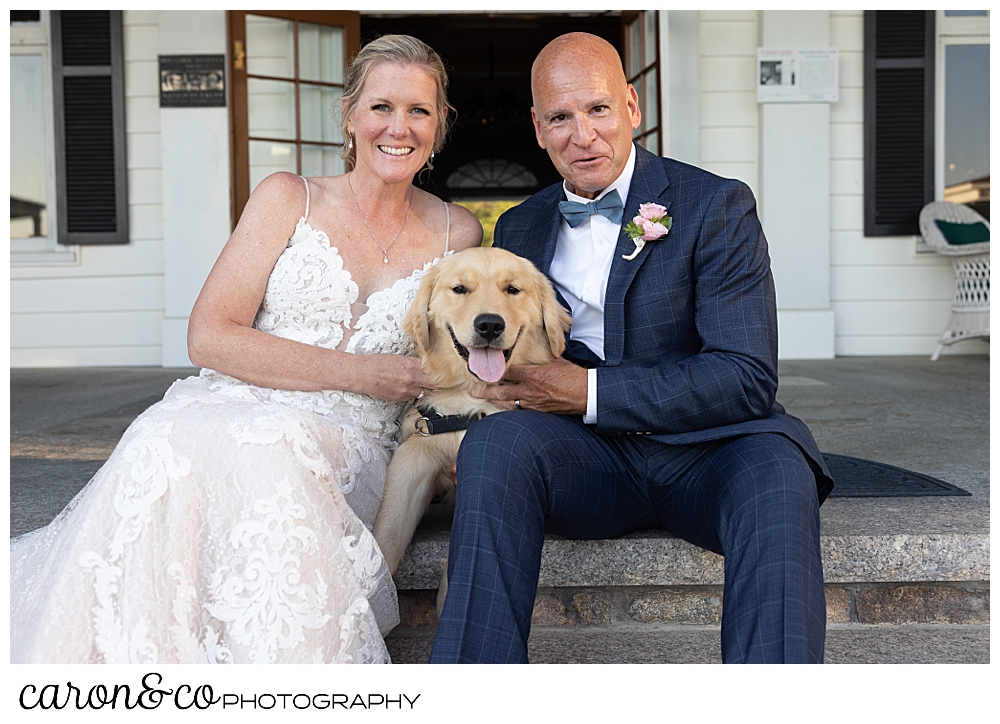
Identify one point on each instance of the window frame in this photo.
(35, 39)
(961, 30)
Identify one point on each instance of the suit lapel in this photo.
(537, 241)
(546, 229)
(649, 185)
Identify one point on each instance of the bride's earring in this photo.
(350, 143)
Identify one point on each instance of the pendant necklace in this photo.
(385, 249)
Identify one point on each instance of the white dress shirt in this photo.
(580, 268)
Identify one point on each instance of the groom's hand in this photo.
(559, 387)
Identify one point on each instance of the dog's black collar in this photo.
(435, 423)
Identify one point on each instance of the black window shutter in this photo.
(89, 90)
(899, 119)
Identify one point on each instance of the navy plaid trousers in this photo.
(752, 499)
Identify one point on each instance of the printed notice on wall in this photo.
(192, 81)
(797, 76)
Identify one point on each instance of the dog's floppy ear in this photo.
(555, 319)
(415, 323)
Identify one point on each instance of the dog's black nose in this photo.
(489, 326)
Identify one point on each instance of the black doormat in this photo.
(857, 478)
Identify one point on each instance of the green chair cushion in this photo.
(957, 234)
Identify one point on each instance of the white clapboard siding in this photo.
(144, 149)
(728, 32)
(923, 317)
(86, 294)
(142, 115)
(850, 247)
(847, 176)
(850, 106)
(142, 38)
(729, 144)
(847, 213)
(90, 329)
(847, 141)
(145, 186)
(137, 258)
(893, 283)
(729, 113)
(847, 30)
(146, 222)
(720, 74)
(728, 108)
(107, 309)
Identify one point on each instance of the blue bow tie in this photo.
(609, 206)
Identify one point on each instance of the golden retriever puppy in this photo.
(475, 313)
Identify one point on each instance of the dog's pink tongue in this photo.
(487, 363)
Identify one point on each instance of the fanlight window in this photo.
(491, 173)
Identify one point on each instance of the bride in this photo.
(232, 522)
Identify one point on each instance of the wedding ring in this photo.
(517, 404)
(420, 396)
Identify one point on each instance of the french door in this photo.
(286, 80)
(641, 35)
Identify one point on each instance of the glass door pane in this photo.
(321, 160)
(966, 113)
(967, 126)
(650, 104)
(321, 53)
(319, 109)
(270, 47)
(271, 108)
(650, 18)
(633, 53)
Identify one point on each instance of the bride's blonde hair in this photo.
(404, 50)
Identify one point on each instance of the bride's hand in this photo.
(394, 377)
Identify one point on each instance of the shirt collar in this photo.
(621, 184)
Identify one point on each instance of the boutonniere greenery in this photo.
(650, 224)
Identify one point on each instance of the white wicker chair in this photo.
(970, 309)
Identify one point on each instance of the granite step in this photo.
(653, 557)
(909, 644)
(933, 587)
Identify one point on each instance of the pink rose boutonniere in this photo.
(651, 224)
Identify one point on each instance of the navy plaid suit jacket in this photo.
(690, 324)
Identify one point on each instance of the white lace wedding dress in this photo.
(232, 522)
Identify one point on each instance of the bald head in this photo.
(584, 111)
(582, 53)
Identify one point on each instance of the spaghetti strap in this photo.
(305, 216)
(447, 226)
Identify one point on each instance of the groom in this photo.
(664, 406)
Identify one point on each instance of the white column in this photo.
(795, 196)
(195, 143)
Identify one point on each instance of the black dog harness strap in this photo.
(435, 423)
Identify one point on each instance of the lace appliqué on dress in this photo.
(232, 522)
